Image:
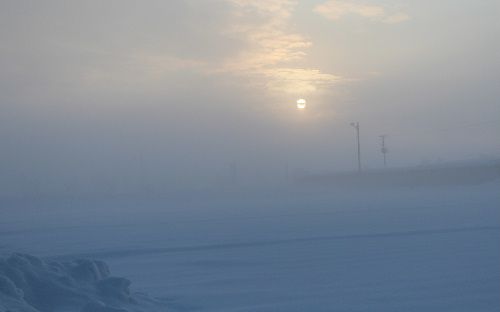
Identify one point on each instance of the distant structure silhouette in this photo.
(355, 125)
(383, 148)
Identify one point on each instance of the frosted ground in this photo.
(404, 249)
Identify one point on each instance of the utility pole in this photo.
(355, 125)
(384, 149)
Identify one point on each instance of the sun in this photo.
(301, 104)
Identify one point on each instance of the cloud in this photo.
(272, 48)
(266, 53)
(298, 80)
(337, 9)
(396, 18)
(142, 49)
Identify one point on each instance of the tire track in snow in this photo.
(262, 243)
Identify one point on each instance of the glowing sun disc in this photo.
(301, 104)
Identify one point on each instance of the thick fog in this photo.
(228, 155)
(134, 96)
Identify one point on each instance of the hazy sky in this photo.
(130, 91)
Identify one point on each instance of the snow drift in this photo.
(30, 284)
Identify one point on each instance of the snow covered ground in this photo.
(400, 249)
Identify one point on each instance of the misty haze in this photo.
(249, 155)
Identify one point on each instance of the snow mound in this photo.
(30, 284)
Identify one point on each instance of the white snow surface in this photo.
(401, 249)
